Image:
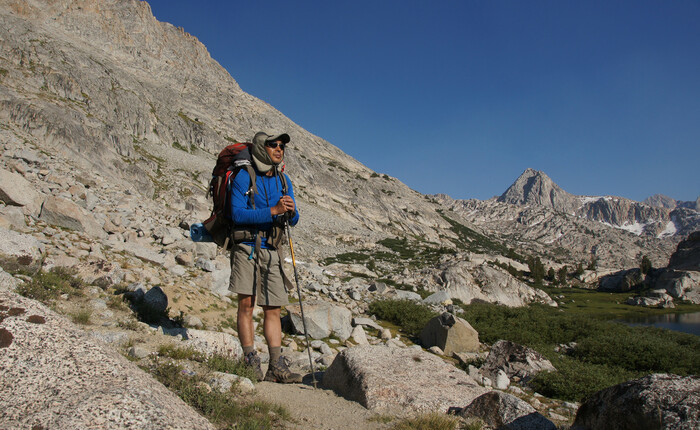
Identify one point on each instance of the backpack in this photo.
(230, 161)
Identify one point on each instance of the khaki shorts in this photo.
(272, 291)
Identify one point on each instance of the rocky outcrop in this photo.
(384, 378)
(687, 255)
(451, 334)
(505, 411)
(515, 360)
(622, 281)
(53, 375)
(474, 279)
(657, 401)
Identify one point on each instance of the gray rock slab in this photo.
(54, 375)
(322, 319)
(64, 213)
(384, 378)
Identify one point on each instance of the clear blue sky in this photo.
(459, 97)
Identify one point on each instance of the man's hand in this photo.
(286, 204)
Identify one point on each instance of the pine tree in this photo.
(645, 265)
(562, 274)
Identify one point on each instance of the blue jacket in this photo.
(269, 193)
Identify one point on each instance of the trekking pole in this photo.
(301, 304)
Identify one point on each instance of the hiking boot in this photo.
(253, 361)
(279, 372)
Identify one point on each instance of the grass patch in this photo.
(46, 287)
(607, 305)
(227, 364)
(180, 353)
(225, 410)
(215, 362)
(82, 317)
(431, 421)
(410, 316)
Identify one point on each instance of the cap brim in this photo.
(284, 138)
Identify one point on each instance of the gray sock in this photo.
(275, 353)
(248, 349)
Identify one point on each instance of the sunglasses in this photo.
(274, 145)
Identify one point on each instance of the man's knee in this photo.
(246, 305)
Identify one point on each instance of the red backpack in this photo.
(230, 161)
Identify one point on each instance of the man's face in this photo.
(277, 153)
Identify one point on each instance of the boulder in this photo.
(142, 252)
(7, 281)
(406, 295)
(451, 334)
(684, 285)
(156, 300)
(64, 213)
(17, 191)
(12, 218)
(659, 401)
(322, 319)
(211, 342)
(437, 298)
(358, 336)
(385, 378)
(505, 411)
(515, 360)
(55, 376)
(20, 251)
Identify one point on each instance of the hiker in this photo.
(256, 266)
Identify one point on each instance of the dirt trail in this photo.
(318, 408)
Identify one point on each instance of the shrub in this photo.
(410, 316)
(607, 352)
(48, 286)
(575, 380)
(642, 349)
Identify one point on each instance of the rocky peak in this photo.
(662, 201)
(535, 187)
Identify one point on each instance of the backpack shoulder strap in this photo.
(253, 190)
